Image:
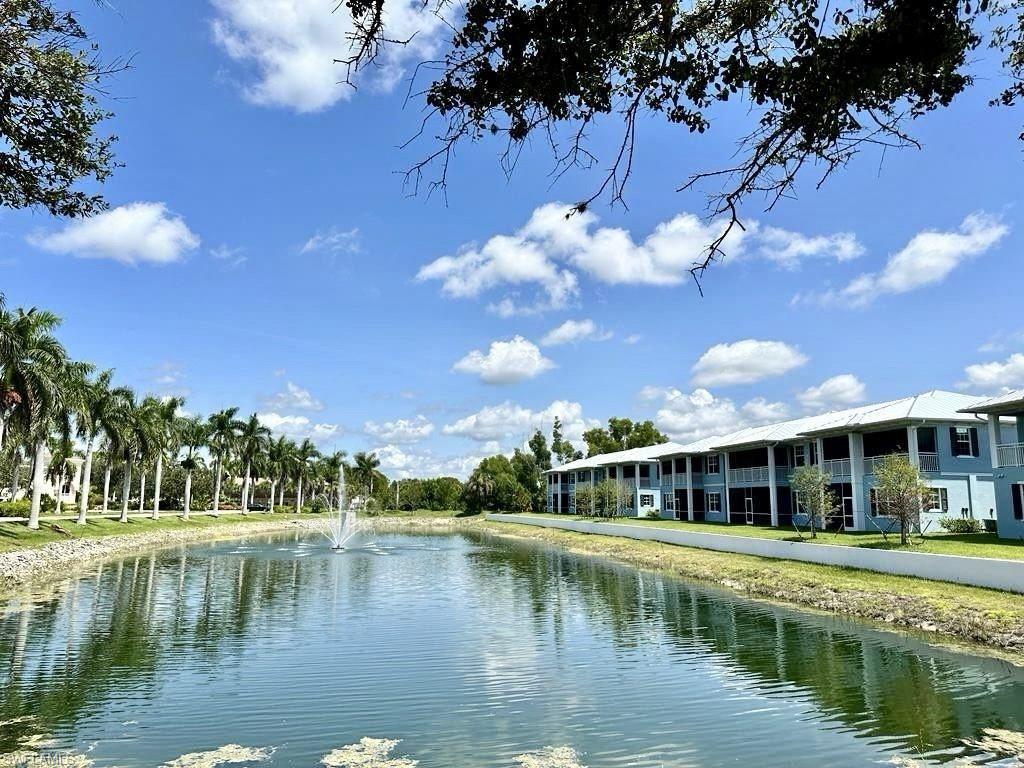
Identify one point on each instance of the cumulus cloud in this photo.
(927, 259)
(294, 398)
(506, 362)
(136, 233)
(788, 249)
(689, 416)
(996, 375)
(403, 462)
(298, 427)
(333, 241)
(572, 331)
(744, 362)
(547, 255)
(401, 430)
(510, 421)
(840, 391)
(288, 49)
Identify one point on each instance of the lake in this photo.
(472, 651)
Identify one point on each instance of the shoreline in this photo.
(981, 630)
(38, 565)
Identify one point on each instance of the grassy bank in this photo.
(16, 536)
(969, 613)
(939, 543)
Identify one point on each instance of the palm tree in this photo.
(223, 431)
(132, 439)
(98, 412)
(193, 433)
(252, 437)
(277, 459)
(61, 454)
(333, 466)
(366, 468)
(304, 454)
(165, 423)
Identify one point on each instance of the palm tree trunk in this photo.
(188, 494)
(16, 476)
(37, 485)
(273, 486)
(142, 490)
(126, 489)
(216, 489)
(245, 487)
(298, 495)
(156, 485)
(3, 427)
(280, 494)
(83, 502)
(106, 484)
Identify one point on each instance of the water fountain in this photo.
(342, 524)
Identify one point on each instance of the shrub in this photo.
(19, 508)
(961, 524)
(318, 505)
(284, 509)
(653, 514)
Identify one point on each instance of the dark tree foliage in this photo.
(622, 435)
(49, 80)
(824, 79)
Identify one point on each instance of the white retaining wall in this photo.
(976, 571)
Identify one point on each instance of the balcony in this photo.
(748, 475)
(1010, 455)
(929, 462)
(837, 467)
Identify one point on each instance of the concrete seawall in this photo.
(976, 571)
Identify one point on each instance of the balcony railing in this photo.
(929, 462)
(837, 467)
(749, 475)
(1010, 454)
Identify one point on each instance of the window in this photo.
(799, 456)
(875, 503)
(964, 441)
(646, 499)
(1017, 490)
(711, 464)
(938, 500)
(714, 502)
(670, 502)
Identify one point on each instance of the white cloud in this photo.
(290, 48)
(400, 430)
(401, 462)
(788, 249)
(989, 377)
(509, 421)
(926, 260)
(550, 251)
(294, 398)
(506, 362)
(168, 379)
(840, 391)
(231, 256)
(744, 362)
(695, 415)
(333, 241)
(633, 338)
(572, 331)
(135, 233)
(298, 427)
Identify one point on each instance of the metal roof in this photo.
(1001, 404)
(936, 405)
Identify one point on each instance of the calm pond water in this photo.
(471, 651)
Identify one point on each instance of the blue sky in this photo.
(262, 252)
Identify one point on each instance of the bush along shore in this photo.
(989, 617)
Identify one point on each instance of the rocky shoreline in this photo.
(60, 559)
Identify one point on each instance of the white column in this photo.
(915, 459)
(773, 491)
(725, 480)
(993, 439)
(857, 480)
(689, 488)
(819, 446)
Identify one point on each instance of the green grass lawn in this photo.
(18, 536)
(967, 545)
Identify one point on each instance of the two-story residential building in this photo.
(743, 477)
(1005, 438)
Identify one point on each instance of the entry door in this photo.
(748, 505)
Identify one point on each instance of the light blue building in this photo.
(743, 477)
(1005, 416)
